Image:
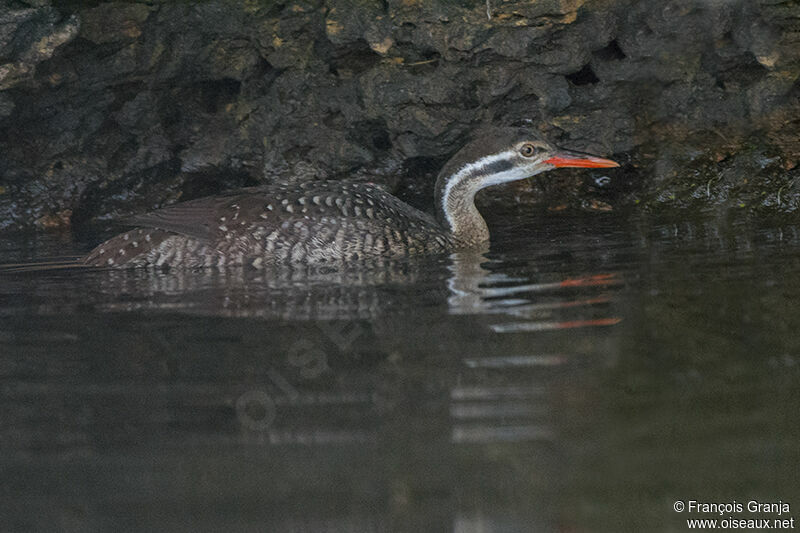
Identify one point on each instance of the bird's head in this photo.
(500, 155)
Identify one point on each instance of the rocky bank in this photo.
(112, 108)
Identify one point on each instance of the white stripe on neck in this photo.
(469, 168)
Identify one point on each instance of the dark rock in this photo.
(28, 37)
(111, 108)
(6, 105)
(114, 22)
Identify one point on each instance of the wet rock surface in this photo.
(114, 108)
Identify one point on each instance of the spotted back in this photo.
(312, 223)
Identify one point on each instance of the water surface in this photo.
(581, 375)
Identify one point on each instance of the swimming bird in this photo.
(321, 222)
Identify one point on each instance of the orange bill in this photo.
(576, 159)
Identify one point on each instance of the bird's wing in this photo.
(190, 220)
(199, 219)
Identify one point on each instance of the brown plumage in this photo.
(311, 223)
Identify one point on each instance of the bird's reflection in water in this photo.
(470, 282)
(488, 393)
(474, 288)
(353, 292)
(514, 302)
(433, 375)
(357, 291)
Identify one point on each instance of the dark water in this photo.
(582, 375)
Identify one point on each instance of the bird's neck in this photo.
(457, 185)
(460, 179)
(456, 211)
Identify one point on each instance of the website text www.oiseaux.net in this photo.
(780, 518)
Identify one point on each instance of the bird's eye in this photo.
(528, 150)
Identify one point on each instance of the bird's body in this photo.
(313, 223)
(330, 221)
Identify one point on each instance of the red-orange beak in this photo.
(565, 158)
